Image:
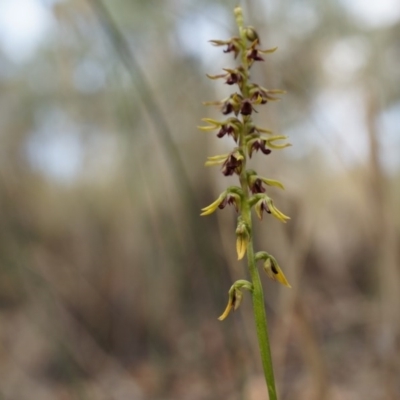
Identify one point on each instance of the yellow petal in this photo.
(213, 206)
(258, 100)
(238, 155)
(226, 312)
(219, 42)
(241, 246)
(278, 146)
(275, 212)
(206, 212)
(212, 121)
(277, 137)
(281, 278)
(269, 142)
(216, 76)
(272, 182)
(264, 130)
(211, 163)
(237, 299)
(218, 157)
(258, 209)
(207, 128)
(275, 273)
(268, 51)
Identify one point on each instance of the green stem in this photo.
(257, 294)
(261, 324)
(258, 300)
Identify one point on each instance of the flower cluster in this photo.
(248, 139)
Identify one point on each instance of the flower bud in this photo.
(235, 297)
(265, 203)
(246, 108)
(251, 34)
(274, 272)
(214, 205)
(233, 163)
(242, 238)
(239, 16)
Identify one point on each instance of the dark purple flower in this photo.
(229, 200)
(233, 46)
(253, 55)
(231, 166)
(257, 187)
(225, 130)
(246, 108)
(259, 144)
(233, 78)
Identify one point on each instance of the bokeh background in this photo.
(111, 283)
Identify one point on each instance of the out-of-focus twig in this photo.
(147, 96)
(386, 261)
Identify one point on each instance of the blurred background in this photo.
(111, 283)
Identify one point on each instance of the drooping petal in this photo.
(213, 77)
(216, 160)
(275, 212)
(214, 205)
(219, 42)
(207, 128)
(268, 51)
(264, 130)
(272, 182)
(269, 142)
(242, 238)
(237, 299)
(226, 312)
(274, 272)
(241, 246)
(213, 124)
(218, 157)
(259, 208)
(231, 304)
(211, 163)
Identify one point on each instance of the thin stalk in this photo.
(261, 324)
(257, 292)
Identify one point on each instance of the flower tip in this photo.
(206, 212)
(269, 51)
(241, 247)
(206, 128)
(282, 279)
(275, 273)
(225, 313)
